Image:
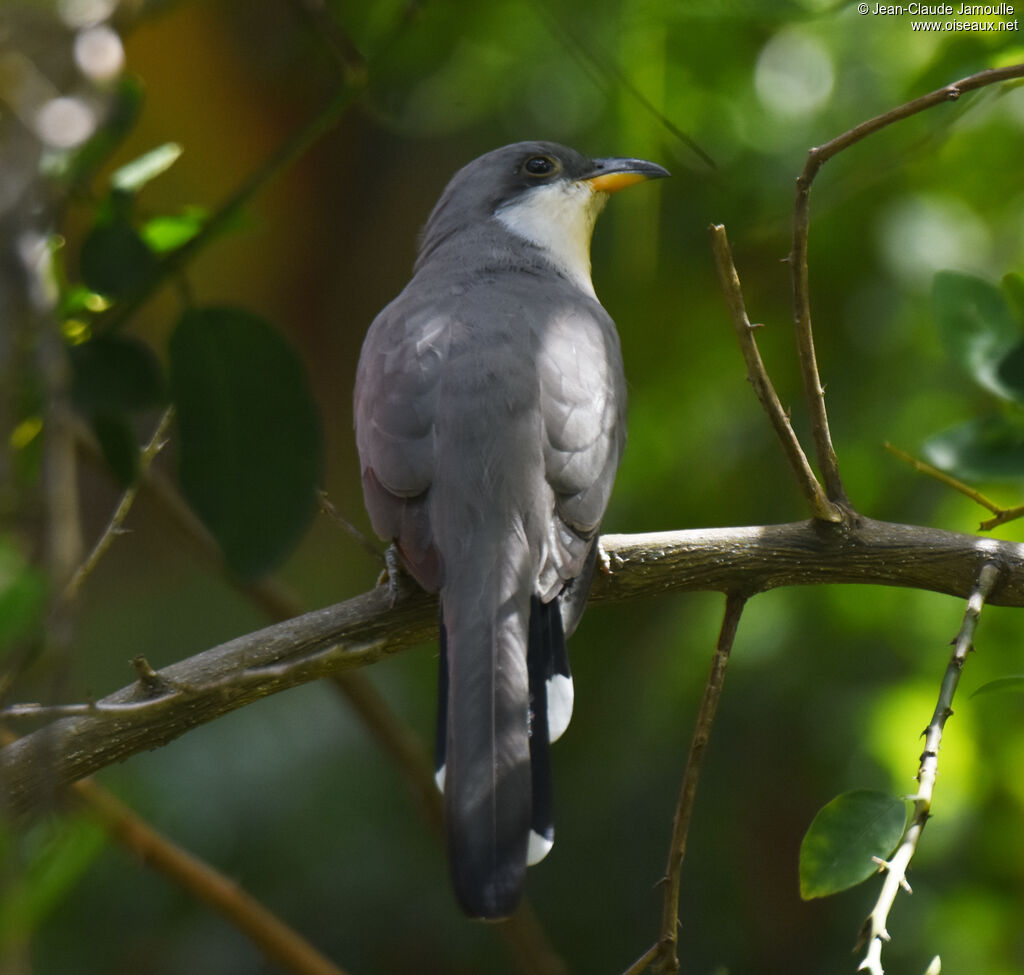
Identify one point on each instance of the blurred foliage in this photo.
(829, 688)
(985, 337)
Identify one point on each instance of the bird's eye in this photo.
(540, 166)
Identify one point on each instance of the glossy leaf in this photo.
(978, 330)
(987, 448)
(250, 457)
(837, 850)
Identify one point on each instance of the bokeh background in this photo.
(829, 687)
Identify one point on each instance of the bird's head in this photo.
(543, 193)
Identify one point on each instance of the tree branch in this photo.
(821, 507)
(364, 629)
(668, 960)
(816, 158)
(874, 933)
(277, 941)
(116, 524)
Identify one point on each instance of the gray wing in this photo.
(396, 395)
(583, 399)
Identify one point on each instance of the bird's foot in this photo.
(394, 576)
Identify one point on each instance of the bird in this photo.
(489, 410)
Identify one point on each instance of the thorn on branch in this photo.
(152, 682)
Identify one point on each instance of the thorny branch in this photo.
(874, 931)
(668, 958)
(821, 506)
(116, 524)
(798, 262)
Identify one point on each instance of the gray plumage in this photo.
(490, 419)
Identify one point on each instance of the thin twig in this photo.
(1002, 515)
(278, 942)
(666, 959)
(116, 523)
(329, 509)
(873, 932)
(644, 961)
(816, 158)
(821, 507)
(347, 57)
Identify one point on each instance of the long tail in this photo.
(500, 703)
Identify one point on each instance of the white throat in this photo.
(559, 219)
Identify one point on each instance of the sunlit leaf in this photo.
(131, 177)
(978, 329)
(987, 448)
(78, 299)
(167, 233)
(251, 448)
(1015, 684)
(837, 850)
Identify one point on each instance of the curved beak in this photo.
(612, 175)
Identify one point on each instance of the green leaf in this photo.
(115, 260)
(168, 233)
(977, 328)
(1015, 684)
(77, 299)
(1013, 288)
(251, 451)
(115, 373)
(987, 448)
(22, 596)
(131, 177)
(836, 851)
